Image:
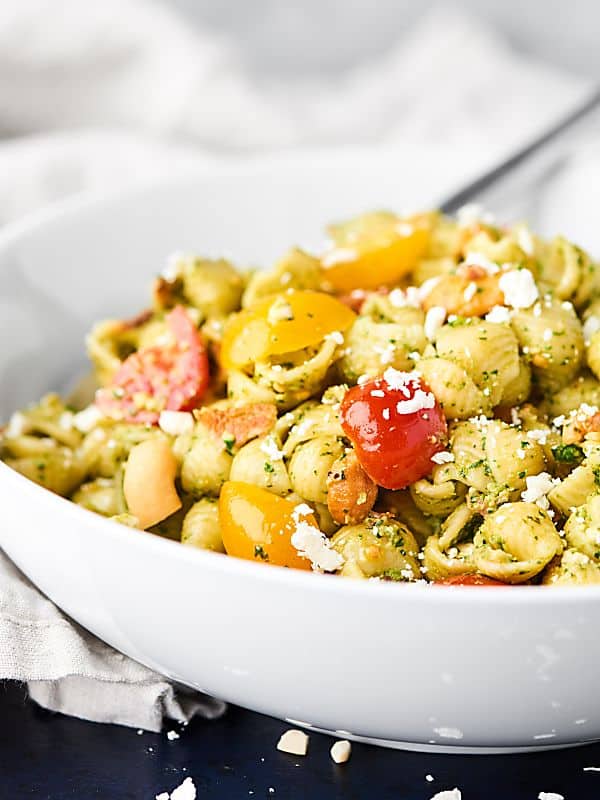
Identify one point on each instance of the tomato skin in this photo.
(172, 377)
(472, 579)
(257, 525)
(394, 448)
(253, 334)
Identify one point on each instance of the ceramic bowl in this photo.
(415, 666)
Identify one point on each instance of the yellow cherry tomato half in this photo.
(282, 324)
(258, 526)
(374, 250)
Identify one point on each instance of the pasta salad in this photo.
(419, 402)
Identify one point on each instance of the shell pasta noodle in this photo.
(418, 403)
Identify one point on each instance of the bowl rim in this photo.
(112, 531)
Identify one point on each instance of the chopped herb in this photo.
(260, 553)
(269, 467)
(568, 453)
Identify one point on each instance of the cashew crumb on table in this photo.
(340, 751)
(294, 742)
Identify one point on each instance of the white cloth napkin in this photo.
(139, 91)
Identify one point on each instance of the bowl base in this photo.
(441, 749)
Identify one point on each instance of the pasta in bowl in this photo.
(395, 655)
(419, 402)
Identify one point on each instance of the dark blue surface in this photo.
(51, 757)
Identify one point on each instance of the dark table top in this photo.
(51, 757)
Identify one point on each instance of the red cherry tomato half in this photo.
(172, 377)
(470, 580)
(396, 425)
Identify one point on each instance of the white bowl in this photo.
(413, 666)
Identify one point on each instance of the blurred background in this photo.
(100, 95)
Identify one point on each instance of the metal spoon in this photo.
(499, 175)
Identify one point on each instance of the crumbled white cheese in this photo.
(301, 510)
(470, 292)
(335, 336)
(339, 255)
(479, 260)
(525, 241)
(185, 791)
(270, 448)
(65, 421)
(418, 402)
(519, 289)
(558, 422)
(426, 287)
(471, 213)
(550, 796)
(340, 751)
(538, 487)
(172, 735)
(386, 354)
(429, 778)
(401, 299)
(398, 380)
(280, 311)
(87, 419)
(17, 425)
(314, 545)
(498, 314)
(442, 458)
(377, 393)
(176, 423)
(294, 742)
(434, 319)
(385, 413)
(590, 327)
(541, 436)
(448, 794)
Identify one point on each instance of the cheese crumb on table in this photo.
(340, 751)
(550, 796)
(429, 778)
(172, 735)
(448, 794)
(185, 791)
(294, 742)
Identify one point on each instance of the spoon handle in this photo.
(471, 191)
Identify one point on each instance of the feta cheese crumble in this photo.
(538, 487)
(312, 544)
(498, 314)
(590, 327)
(340, 751)
(418, 402)
(470, 292)
(17, 425)
(87, 419)
(550, 796)
(270, 448)
(519, 289)
(442, 458)
(525, 241)
(294, 742)
(176, 423)
(172, 736)
(479, 260)
(434, 319)
(396, 379)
